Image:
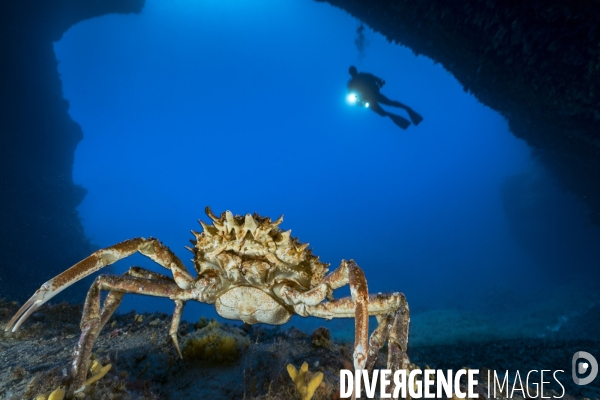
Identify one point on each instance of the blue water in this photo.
(241, 106)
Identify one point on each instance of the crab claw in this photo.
(41, 296)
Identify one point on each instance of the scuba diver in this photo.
(364, 89)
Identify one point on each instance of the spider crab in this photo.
(251, 270)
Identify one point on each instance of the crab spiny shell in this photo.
(252, 249)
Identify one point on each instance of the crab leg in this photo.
(140, 272)
(378, 305)
(151, 248)
(350, 273)
(113, 299)
(393, 317)
(175, 324)
(398, 339)
(93, 316)
(378, 338)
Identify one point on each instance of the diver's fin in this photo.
(400, 121)
(414, 116)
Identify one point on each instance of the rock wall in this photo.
(536, 62)
(40, 231)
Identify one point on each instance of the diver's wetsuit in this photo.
(368, 86)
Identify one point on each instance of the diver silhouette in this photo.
(364, 88)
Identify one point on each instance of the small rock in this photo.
(321, 337)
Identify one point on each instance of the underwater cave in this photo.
(122, 119)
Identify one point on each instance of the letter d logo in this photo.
(583, 367)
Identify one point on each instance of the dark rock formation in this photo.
(537, 63)
(40, 231)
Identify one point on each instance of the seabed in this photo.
(232, 361)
